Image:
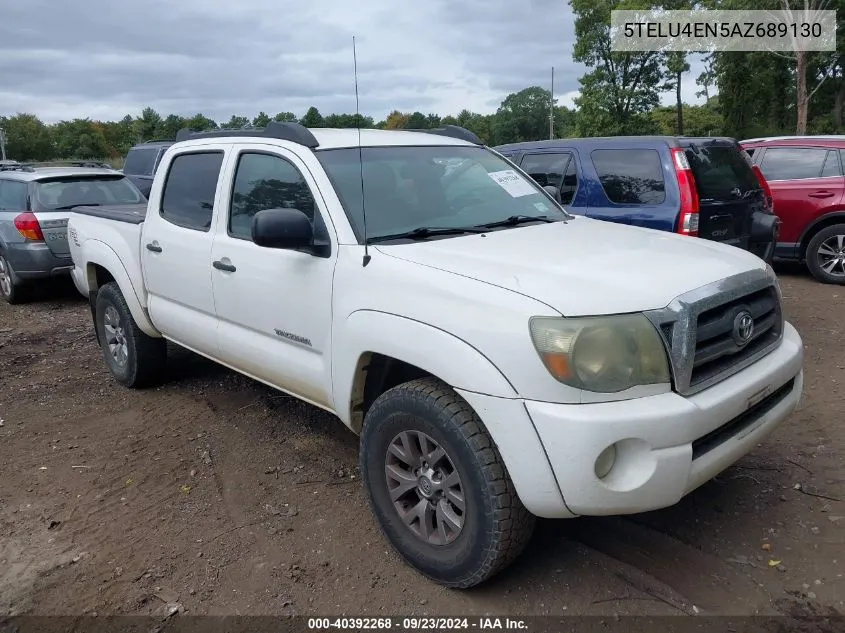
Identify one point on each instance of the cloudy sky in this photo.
(104, 59)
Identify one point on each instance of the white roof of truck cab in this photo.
(336, 138)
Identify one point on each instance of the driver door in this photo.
(273, 305)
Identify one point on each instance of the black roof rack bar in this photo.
(453, 131)
(18, 167)
(69, 163)
(285, 131)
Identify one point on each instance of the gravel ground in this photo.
(226, 497)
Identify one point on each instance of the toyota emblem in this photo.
(743, 328)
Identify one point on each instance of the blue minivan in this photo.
(703, 187)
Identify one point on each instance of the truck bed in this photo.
(131, 213)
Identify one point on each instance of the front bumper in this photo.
(666, 445)
(35, 260)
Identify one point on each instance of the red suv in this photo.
(806, 179)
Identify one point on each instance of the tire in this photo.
(12, 291)
(821, 251)
(134, 359)
(495, 526)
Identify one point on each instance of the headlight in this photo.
(601, 354)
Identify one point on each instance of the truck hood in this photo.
(584, 267)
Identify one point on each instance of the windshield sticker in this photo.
(511, 182)
(541, 206)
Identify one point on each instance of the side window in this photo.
(792, 163)
(12, 195)
(546, 169)
(630, 176)
(264, 181)
(141, 161)
(831, 165)
(188, 197)
(570, 183)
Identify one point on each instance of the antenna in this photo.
(552, 107)
(360, 154)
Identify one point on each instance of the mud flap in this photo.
(764, 234)
(92, 301)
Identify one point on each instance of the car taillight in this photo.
(765, 185)
(688, 220)
(28, 226)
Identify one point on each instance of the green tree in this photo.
(622, 87)
(312, 118)
(286, 117)
(80, 138)
(417, 121)
(236, 123)
(261, 120)
(523, 116)
(170, 126)
(147, 124)
(27, 138)
(200, 123)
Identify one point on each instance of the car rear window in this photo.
(630, 176)
(140, 162)
(74, 191)
(721, 171)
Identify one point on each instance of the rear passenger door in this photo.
(632, 188)
(557, 169)
(806, 183)
(176, 244)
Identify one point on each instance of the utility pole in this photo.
(2, 144)
(552, 107)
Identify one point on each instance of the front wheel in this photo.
(438, 486)
(134, 359)
(826, 255)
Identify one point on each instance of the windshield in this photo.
(407, 188)
(77, 191)
(720, 171)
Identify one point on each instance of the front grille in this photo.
(700, 329)
(716, 347)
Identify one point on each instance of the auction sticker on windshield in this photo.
(510, 181)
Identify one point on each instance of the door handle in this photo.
(155, 248)
(821, 194)
(219, 265)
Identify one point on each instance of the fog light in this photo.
(605, 461)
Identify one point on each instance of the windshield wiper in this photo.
(517, 219)
(424, 232)
(71, 206)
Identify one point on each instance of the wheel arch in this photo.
(373, 354)
(829, 219)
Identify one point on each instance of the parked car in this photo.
(500, 358)
(35, 201)
(701, 187)
(808, 188)
(141, 163)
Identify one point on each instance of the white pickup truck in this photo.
(499, 358)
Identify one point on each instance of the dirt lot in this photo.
(221, 495)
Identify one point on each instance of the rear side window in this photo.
(188, 197)
(793, 163)
(831, 165)
(141, 162)
(69, 192)
(630, 176)
(721, 172)
(12, 195)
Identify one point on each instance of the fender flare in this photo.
(435, 351)
(805, 238)
(101, 254)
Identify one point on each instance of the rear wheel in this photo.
(134, 359)
(826, 255)
(11, 289)
(438, 486)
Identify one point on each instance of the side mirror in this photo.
(288, 229)
(553, 192)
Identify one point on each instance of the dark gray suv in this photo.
(35, 201)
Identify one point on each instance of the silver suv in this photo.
(35, 200)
